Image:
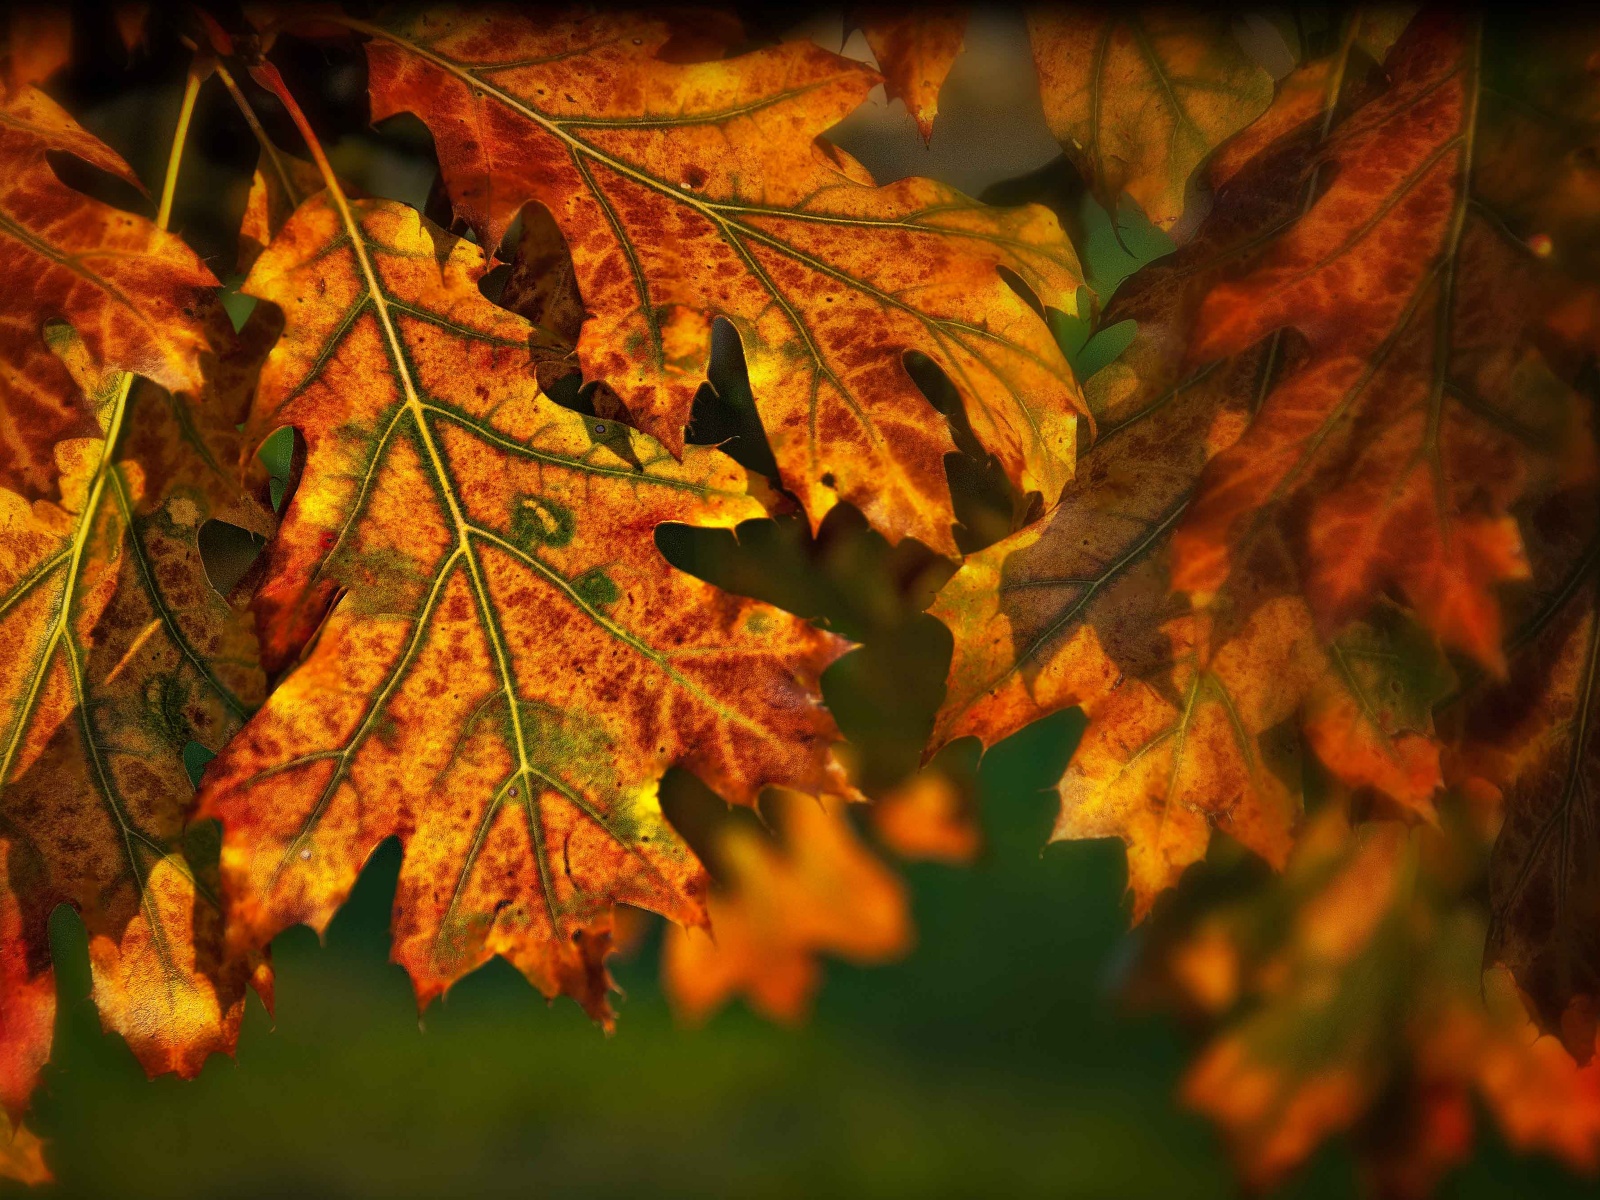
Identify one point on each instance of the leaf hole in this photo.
(227, 552)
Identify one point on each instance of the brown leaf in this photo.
(133, 294)
(1076, 609)
(1140, 99)
(688, 192)
(126, 654)
(1537, 739)
(915, 51)
(1392, 456)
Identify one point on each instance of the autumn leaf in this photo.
(131, 292)
(1077, 609)
(1393, 455)
(486, 654)
(38, 43)
(27, 1022)
(1139, 99)
(131, 656)
(915, 51)
(932, 816)
(1310, 1059)
(783, 905)
(1536, 738)
(123, 652)
(1345, 998)
(690, 192)
(280, 184)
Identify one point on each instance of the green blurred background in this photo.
(997, 1057)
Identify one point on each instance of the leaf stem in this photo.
(180, 138)
(273, 155)
(268, 77)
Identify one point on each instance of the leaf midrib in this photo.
(717, 213)
(465, 530)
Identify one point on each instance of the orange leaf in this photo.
(819, 892)
(915, 52)
(280, 184)
(488, 656)
(28, 1016)
(1397, 449)
(125, 655)
(688, 192)
(931, 816)
(133, 294)
(122, 652)
(1140, 99)
(1076, 609)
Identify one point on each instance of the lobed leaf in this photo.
(915, 52)
(1077, 609)
(1345, 997)
(1393, 455)
(688, 192)
(124, 655)
(132, 293)
(487, 655)
(1139, 99)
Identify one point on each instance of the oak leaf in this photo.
(816, 891)
(125, 655)
(1536, 738)
(130, 291)
(1139, 99)
(1077, 609)
(1352, 1004)
(688, 192)
(487, 655)
(915, 51)
(1392, 457)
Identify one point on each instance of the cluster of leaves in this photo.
(1327, 527)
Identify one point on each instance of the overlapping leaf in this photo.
(1139, 99)
(128, 290)
(1345, 998)
(124, 655)
(1077, 610)
(119, 651)
(1536, 738)
(490, 659)
(688, 192)
(1393, 455)
(782, 905)
(915, 51)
